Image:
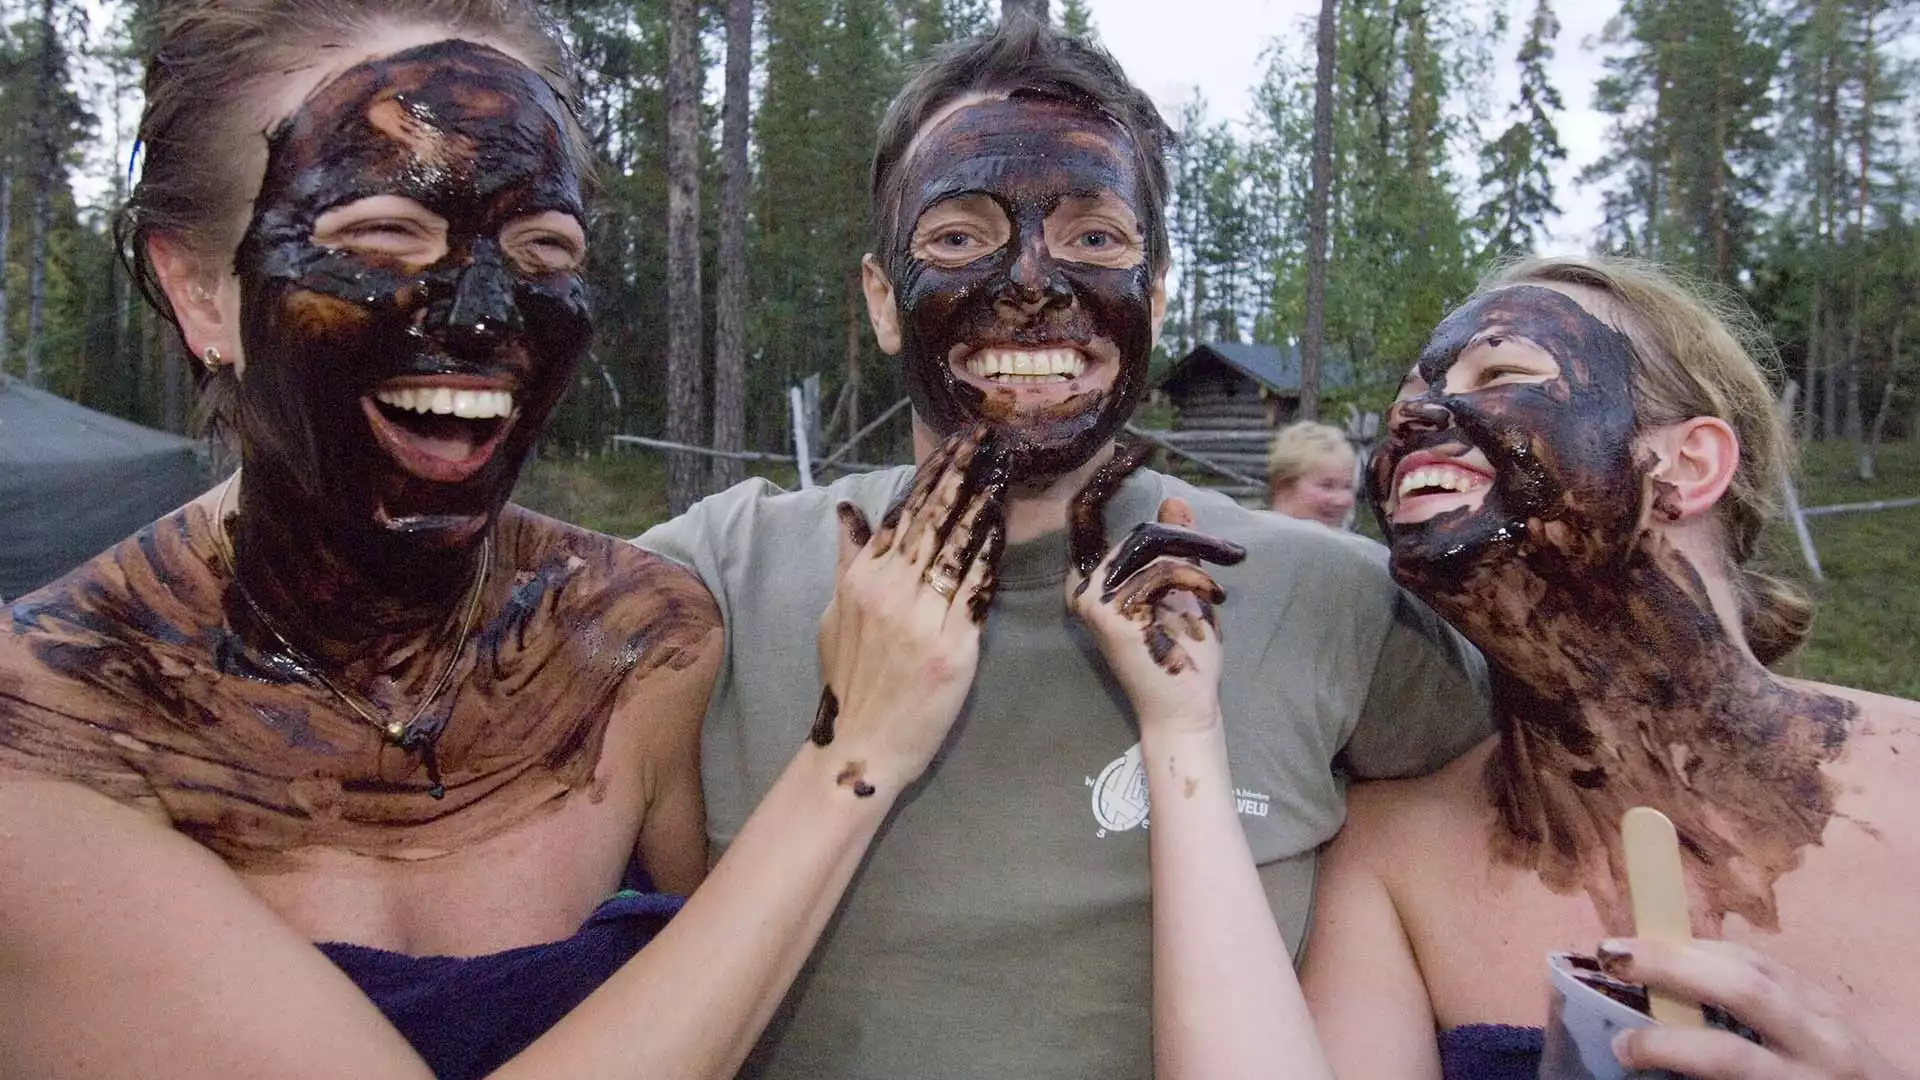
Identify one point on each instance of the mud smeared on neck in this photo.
(1624, 690)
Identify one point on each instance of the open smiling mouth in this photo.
(440, 430)
(1027, 367)
(1426, 486)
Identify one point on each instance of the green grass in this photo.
(1866, 627)
(620, 493)
(1865, 633)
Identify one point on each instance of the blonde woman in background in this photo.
(1310, 473)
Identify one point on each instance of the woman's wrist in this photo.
(1189, 757)
(1172, 723)
(846, 770)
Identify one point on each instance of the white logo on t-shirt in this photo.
(1120, 795)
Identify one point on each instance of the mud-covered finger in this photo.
(855, 532)
(1151, 540)
(1141, 593)
(983, 510)
(983, 574)
(925, 478)
(1087, 515)
(926, 522)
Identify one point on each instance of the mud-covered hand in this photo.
(1807, 1033)
(901, 638)
(1150, 605)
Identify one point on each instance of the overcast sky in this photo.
(1171, 46)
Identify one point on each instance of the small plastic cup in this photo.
(1583, 1019)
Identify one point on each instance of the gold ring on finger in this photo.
(943, 582)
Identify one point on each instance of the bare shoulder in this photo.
(607, 587)
(1407, 828)
(540, 542)
(1884, 741)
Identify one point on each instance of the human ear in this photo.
(205, 300)
(1696, 462)
(1157, 304)
(882, 312)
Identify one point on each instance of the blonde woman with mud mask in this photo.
(1575, 475)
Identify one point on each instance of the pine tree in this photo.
(1517, 166)
(1691, 153)
(1076, 19)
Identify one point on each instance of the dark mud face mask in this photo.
(1027, 154)
(346, 350)
(1567, 490)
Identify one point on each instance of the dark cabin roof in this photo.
(1277, 368)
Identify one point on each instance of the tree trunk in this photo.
(1718, 195)
(1867, 460)
(1830, 400)
(850, 393)
(6, 236)
(1855, 422)
(1035, 8)
(1810, 396)
(685, 385)
(45, 166)
(730, 301)
(1313, 335)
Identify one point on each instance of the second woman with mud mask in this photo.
(356, 697)
(1576, 475)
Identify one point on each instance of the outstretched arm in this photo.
(1225, 1000)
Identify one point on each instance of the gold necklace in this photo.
(403, 735)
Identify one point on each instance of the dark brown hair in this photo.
(1025, 56)
(202, 141)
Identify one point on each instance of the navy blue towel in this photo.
(468, 1015)
(1491, 1052)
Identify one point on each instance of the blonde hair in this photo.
(1297, 446)
(1699, 351)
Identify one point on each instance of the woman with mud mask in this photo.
(1576, 475)
(353, 696)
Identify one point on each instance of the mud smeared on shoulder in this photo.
(126, 678)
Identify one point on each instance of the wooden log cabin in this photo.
(1228, 399)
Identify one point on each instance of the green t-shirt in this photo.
(999, 927)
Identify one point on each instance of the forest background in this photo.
(1767, 146)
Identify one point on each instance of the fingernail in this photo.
(1614, 955)
(1622, 1046)
(855, 523)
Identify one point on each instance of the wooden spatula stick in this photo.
(1659, 898)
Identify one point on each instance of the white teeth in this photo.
(445, 401)
(1446, 477)
(1027, 365)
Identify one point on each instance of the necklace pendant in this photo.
(396, 732)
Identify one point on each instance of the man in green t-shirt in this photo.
(1000, 925)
